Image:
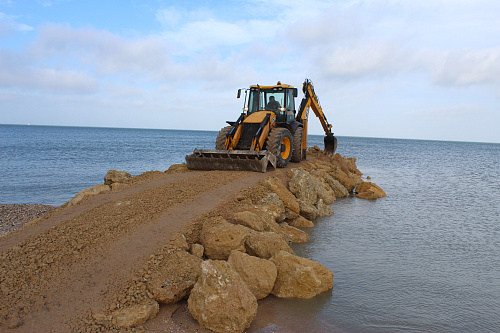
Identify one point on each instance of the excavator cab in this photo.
(270, 130)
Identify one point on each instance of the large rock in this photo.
(135, 314)
(272, 199)
(220, 300)
(295, 235)
(368, 190)
(220, 237)
(174, 277)
(250, 220)
(310, 188)
(339, 189)
(301, 222)
(287, 197)
(258, 274)
(88, 192)
(303, 187)
(113, 176)
(266, 244)
(269, 215)
(348, 180)
(324, 209)
(300, 277)
(308, 210)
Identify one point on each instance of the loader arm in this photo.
(311, 100)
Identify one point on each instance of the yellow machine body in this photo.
(269, 131)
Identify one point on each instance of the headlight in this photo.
(282, 109)
(245, 108)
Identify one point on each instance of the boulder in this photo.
(174, 277)
(308, 210)
(220, 237)
(287, 197)
(295, 235)
(369, 190)
(266, 244)
(339, 189)
(220, 300)
(94, 190)
(310, 188)
(272, 199)
(290, 215)
(300, 277)
(303, 187)
(348, 165)
(258, 274)
(135, 314)
(324, 209)
(197, 250)
(114, 176)
(349, 181)
(268, 213)
(118, 186)
(301, 222)
(250, 220)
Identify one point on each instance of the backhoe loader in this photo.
(269, 131)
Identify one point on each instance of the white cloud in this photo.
(9, 24)
(466, 67)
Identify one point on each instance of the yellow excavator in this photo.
(269, 131)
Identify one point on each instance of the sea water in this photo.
(424, 259)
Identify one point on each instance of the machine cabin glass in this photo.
(279, 100)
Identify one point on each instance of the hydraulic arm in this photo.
(310, 100)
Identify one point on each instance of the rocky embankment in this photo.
(234, 255)
(226, 262)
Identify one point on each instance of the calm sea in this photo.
(424, 259)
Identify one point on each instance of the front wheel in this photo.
(221, 137)
(279, 143)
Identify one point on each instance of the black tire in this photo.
(279, 143)
(297, 145)
(221, 137)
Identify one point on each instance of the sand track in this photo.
(59, 268)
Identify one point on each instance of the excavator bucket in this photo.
(241, 160)
(330, 144)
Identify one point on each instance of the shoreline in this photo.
(135, 287)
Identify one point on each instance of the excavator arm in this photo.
(311, 101)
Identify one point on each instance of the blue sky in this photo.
(381, 68)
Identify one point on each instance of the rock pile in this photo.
(240, 254)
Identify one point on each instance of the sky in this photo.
(427, 69)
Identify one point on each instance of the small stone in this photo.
(197, 250)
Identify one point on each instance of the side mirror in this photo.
(239, 93)
(295, 92)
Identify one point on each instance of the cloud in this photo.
(468, 67)
(19, 73)
(8, 24)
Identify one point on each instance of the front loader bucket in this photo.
(241, 160)
(330, 144)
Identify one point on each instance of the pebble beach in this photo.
(14, 217)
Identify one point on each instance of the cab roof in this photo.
(278, 85)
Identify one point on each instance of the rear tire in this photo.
(297, 145)
(279, 143)
(221, 137)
